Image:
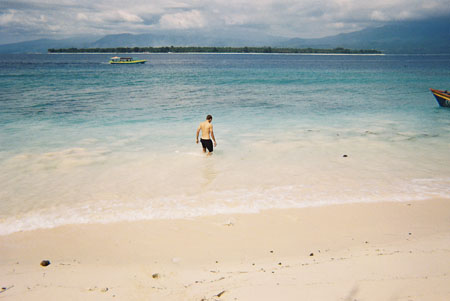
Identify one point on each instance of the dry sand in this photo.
(378, 251)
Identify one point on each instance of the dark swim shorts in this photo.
(207, 143)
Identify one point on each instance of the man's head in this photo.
(209, 118)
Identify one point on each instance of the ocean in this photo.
(82, 141)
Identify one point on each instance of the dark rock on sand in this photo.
(4, 289)
(156, 276)
(45, 263)
(345, 156)
(312, 254)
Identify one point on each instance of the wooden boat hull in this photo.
(129, 62)
(442, 97)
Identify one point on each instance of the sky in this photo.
(22, 20)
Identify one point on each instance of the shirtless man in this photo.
(207, 129)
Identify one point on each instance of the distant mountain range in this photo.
(426, 36)
(42, 45)
(188, 38)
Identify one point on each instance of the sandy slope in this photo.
(379, 251)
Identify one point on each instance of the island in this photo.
(195, 49)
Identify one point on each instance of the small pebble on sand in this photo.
(45, 263)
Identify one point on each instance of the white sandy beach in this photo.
(373, 251)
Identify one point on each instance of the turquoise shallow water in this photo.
(84, 141)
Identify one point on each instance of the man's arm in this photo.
(198, 132)
(212, 136)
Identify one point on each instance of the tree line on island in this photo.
(191, 49)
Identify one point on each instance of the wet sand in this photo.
(372, 251)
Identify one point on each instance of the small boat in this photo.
(442, 97)
(125, 60)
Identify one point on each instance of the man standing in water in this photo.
(207, 129)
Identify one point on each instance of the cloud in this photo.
(7, 18)
(183, 20)
(290, 18)
(23, 23)
(122, 16)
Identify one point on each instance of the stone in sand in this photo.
(45, 263)
(4, 289)
(312, 254)
(156, 276)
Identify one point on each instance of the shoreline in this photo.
(368, 251)
(51, 219)
(221, 53)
